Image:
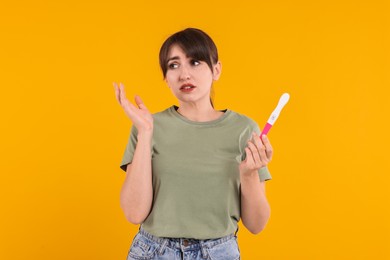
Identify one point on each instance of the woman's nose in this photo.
(184, 73)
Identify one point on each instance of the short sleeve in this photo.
(130, 148)
(263, 172)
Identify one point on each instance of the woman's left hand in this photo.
(258, 154)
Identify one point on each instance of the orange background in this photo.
(63, 134)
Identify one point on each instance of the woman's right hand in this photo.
(141, 117)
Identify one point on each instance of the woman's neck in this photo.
(199, 113)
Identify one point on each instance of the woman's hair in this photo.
(195, 43)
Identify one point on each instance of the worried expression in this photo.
(189, 79)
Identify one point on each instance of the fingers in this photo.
(249, 158)
(261, 148)
(268, 148)
(117, 94)
(129, 108)
(259, 152)
(140, 103)
(263, 160)
(122, 93)
(257, 161)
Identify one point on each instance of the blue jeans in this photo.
(145, 246)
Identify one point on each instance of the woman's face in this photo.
(190, 80)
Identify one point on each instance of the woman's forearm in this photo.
(137, 191)
(255, 210)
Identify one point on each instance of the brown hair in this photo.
(195, 44)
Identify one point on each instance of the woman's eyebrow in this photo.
(173, 58)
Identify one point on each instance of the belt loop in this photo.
(204, 249)
(163, 245)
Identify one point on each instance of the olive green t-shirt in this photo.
(195, 172)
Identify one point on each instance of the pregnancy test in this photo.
(275, 114)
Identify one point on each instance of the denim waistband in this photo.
(185, 244)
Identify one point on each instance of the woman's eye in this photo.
(172, 65)
(195, 62)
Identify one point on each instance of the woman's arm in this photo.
(137, 191)
(255, 210)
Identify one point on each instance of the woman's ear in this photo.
(217, 70)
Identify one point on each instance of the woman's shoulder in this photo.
(164, 115)
(245, 124)
(244, 119)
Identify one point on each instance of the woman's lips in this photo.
(187, 88)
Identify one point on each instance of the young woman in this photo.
(192, 171)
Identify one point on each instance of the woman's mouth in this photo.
(187, 88)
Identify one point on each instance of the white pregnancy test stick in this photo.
(272, 119)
